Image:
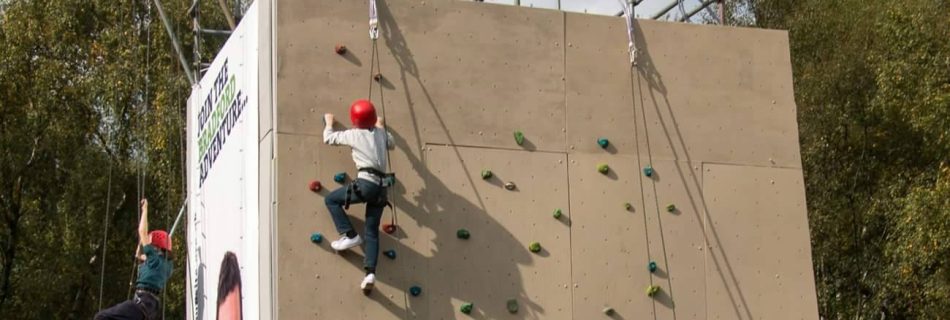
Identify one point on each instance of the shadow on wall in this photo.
(489, 282)
(661, 105)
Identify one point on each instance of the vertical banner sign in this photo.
(223, 182)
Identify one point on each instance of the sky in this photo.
(644, 10)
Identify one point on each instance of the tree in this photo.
(91, 108)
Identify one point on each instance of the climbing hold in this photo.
(519, 137)
(390, 253)
(510, 185)
(608, 311)
(648, 171)
(467, 308)
(534, 247)
(316, 237)
(652, 290)
(652, 266)
(340, 49)
(378, 77)
(415, 291)
(627, 205)
(486, 174)
(463, 234)
(603, 168)
(315, 186)
(603, 142)
(512, 306)
(389, 228)
(339, 177)
(671, 208)
(557, 213)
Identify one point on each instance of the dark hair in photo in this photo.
(229, 278)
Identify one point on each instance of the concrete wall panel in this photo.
(759, 264)
(608, 242)
(313, 272)
(676, 238)
(509, 79)
(495, 265)
(715, 94)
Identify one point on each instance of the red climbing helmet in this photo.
(160, 239)
(363, 114)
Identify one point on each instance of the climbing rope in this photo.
(628, 12)
(141, 131)
(373, 77)
(105, 235)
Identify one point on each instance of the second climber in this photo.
(369, 141)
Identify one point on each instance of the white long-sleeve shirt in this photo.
(369, 147)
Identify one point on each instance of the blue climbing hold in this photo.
(390, 253)
(603, 142)
(316, 237)
(648, 171)
(339, 177)
(652, 266)
(415, 291)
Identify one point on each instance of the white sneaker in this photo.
(346, 243)
(367, 284)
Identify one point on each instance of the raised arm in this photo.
(144, 239)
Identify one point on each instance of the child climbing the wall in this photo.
(369, 141)
(154, 270)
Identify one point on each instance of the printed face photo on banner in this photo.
(229, 289)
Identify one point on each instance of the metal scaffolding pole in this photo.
(665, 10)
(227, 14)
(175, 43)
(697, 9)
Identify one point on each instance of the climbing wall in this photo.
(717, 230)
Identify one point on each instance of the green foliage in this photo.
(872, 82)
(91, 96)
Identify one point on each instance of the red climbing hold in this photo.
(315, 186)
(389, 228)
(340, 49)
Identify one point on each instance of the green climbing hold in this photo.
(603, 142)
(463, 234)
(652, 266)
(652, 290)
(316, 237)
(513, 306)
(534, 247)
(671, 208)
(467, 308)
(486, 174)
(519, 137)
(627, 206)
(648, 171)
(557, 213)
(415, 291)
(391, 254)
(603, 168)
(339, 177)
(609, 311)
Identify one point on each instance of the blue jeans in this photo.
(374, 196)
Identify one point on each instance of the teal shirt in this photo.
(154, 272)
